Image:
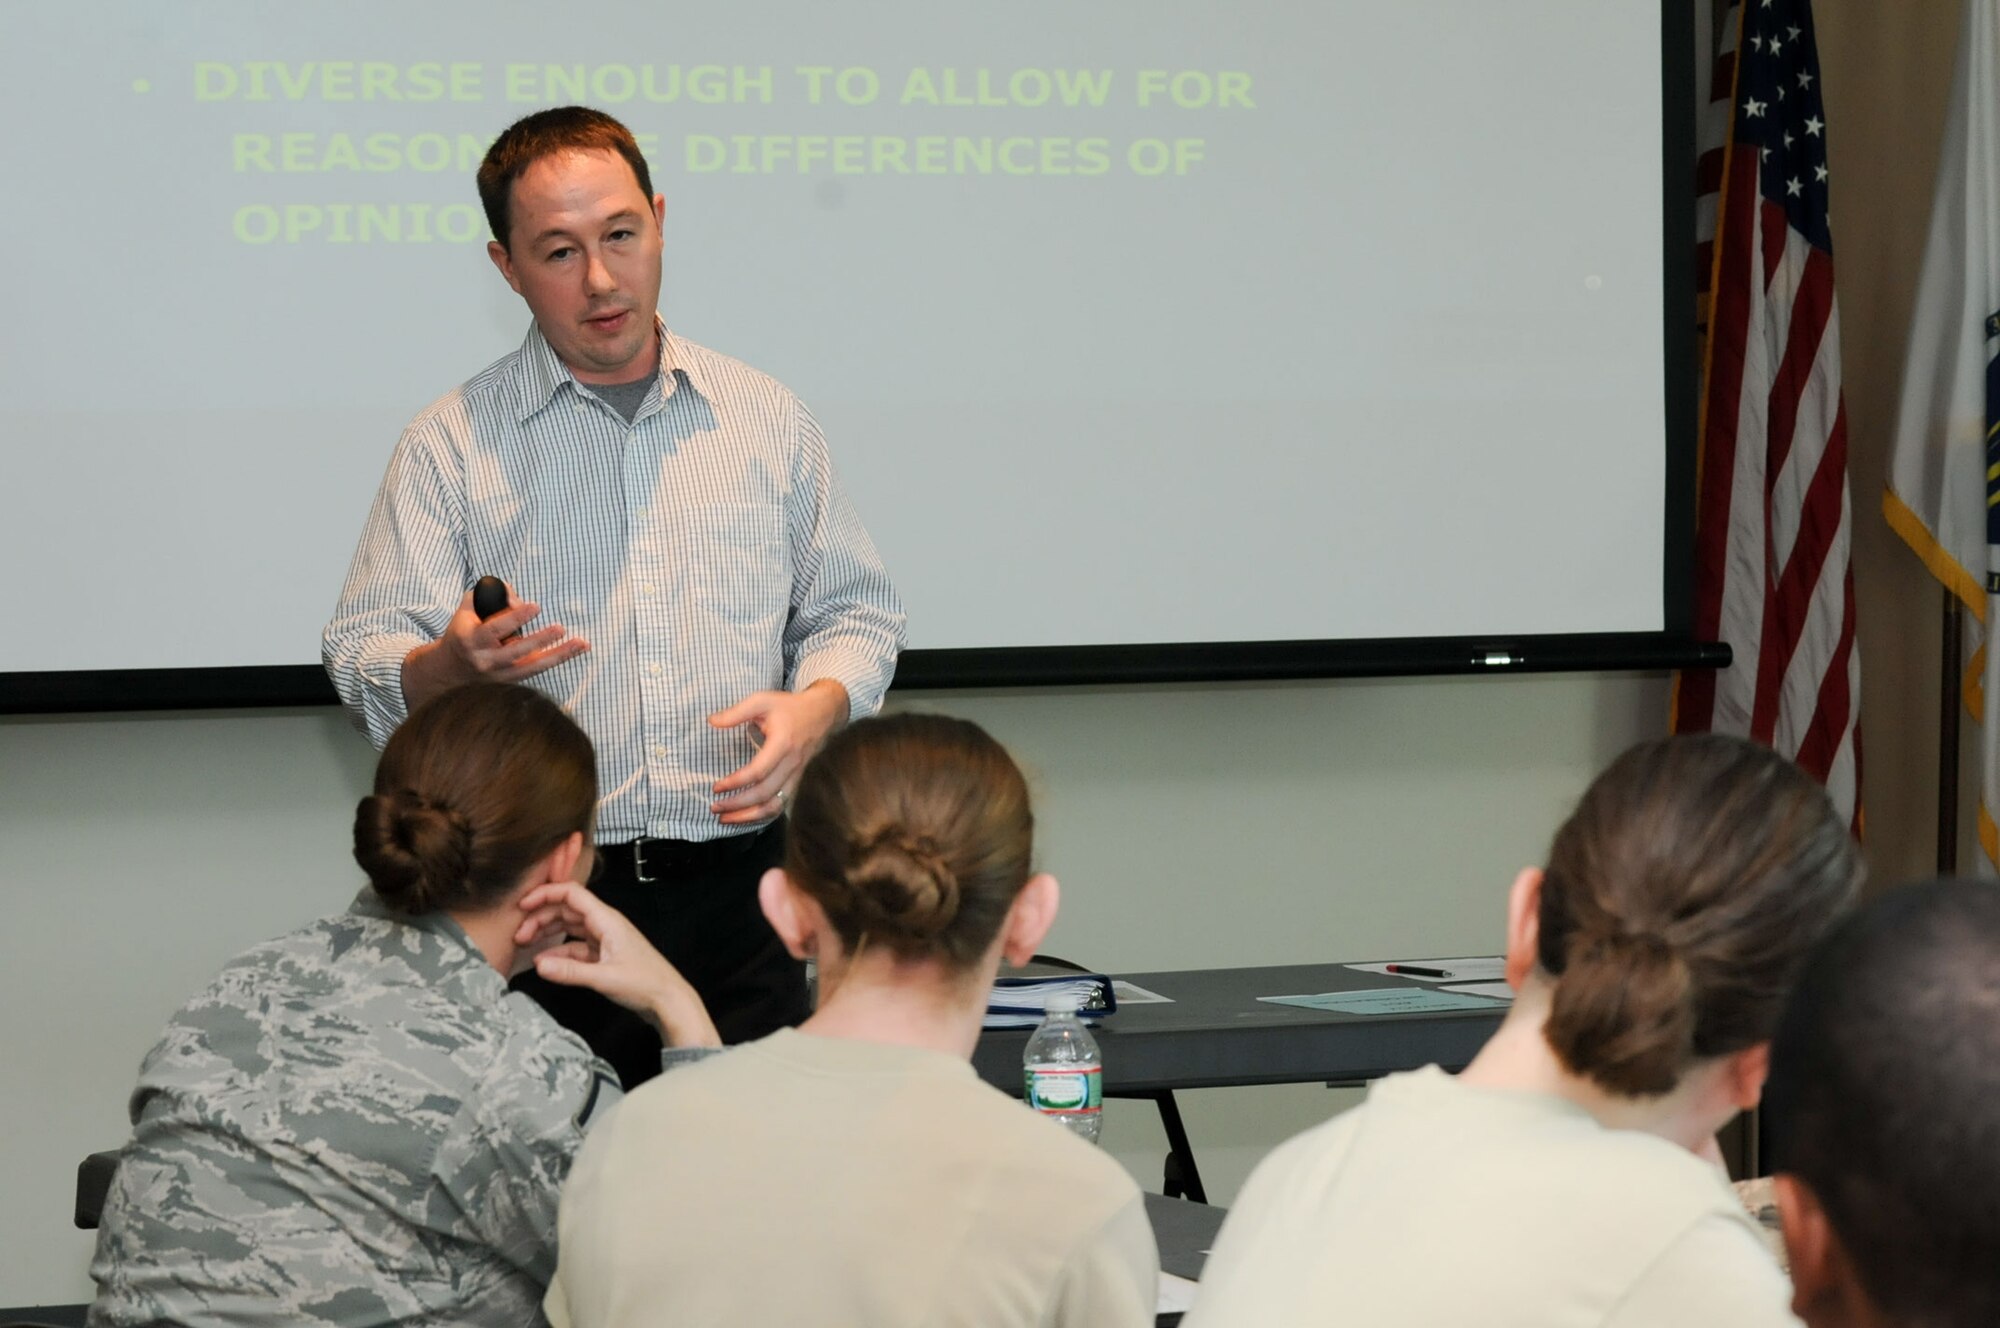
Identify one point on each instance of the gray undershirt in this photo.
(626, 398)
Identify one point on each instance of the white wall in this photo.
(1192, 826)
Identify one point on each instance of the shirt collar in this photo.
(367, 904)
(542, 373)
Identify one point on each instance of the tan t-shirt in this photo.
(814, 1180)
(1438, 1203)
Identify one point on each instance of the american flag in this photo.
(1772, 518)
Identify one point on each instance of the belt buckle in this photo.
(639, 872)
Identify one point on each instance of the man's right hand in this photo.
(471, 650)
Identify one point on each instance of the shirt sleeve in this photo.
(505, 1160)
(1716, 1274)
(1234, 1286)
(1113, 1280)
(846, 621)
(407, 578)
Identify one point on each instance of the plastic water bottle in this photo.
(1064, 1071)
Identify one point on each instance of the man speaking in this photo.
(688, 578)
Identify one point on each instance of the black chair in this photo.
(93, 1182)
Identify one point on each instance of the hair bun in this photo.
(416, 851)
(1623, 1012)
(903, 884)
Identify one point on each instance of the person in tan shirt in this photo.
(1568, 1175)
(855, 1170)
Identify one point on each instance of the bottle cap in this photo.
(1062, 1002)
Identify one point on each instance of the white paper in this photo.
(1500, 989)
(1176, 1295)
(1130, 993)
(1482, 968)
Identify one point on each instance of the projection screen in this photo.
(1145, 331)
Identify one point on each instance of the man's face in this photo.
(584, 252)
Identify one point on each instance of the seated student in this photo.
(356, 1124)
(1556, 1181)
(854, 1170)
(1884, 1110)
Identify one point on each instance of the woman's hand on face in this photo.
(606, 953)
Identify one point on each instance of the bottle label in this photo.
(1067, 1090)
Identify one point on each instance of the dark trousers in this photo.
(699, 910)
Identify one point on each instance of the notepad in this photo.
(1020, 1002)
(1387, 1000)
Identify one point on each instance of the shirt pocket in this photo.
(741, 567)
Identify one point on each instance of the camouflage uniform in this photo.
(355, 1124)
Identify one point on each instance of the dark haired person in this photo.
(356, 1124)
(855, 1170)
(1884, 1109)
(1556, 1181)
(692, 583)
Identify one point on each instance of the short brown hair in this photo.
(543, 134)
(1678, 904)
(912, 832)
(475, 787)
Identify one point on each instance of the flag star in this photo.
(1792, 187)
(1792, 31)
(1781, 92)
(1788, 140)
(1753, 108)
(1819, 174)
(1805, 79)
(1814, 125)
(1757, 42)
(1776, 46)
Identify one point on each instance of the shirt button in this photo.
(645, 587)
(654, 668)
(659, 752)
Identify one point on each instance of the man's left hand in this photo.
(793, 726)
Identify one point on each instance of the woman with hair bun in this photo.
(356, 1124)
(854, 1170)
(1569, 1175)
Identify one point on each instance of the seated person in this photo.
(1557, 1181)
(356, 1124)
(1884, 1110)
(854, 1170)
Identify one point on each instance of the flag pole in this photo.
(1948, 711)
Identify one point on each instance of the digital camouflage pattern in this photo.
(355, 1124)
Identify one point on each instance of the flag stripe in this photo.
(1829, 728)
(1801, 414)
(1804, 322)
(1813, 597)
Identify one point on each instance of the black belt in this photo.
(650, 860)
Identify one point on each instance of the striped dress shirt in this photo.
(706, 550)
